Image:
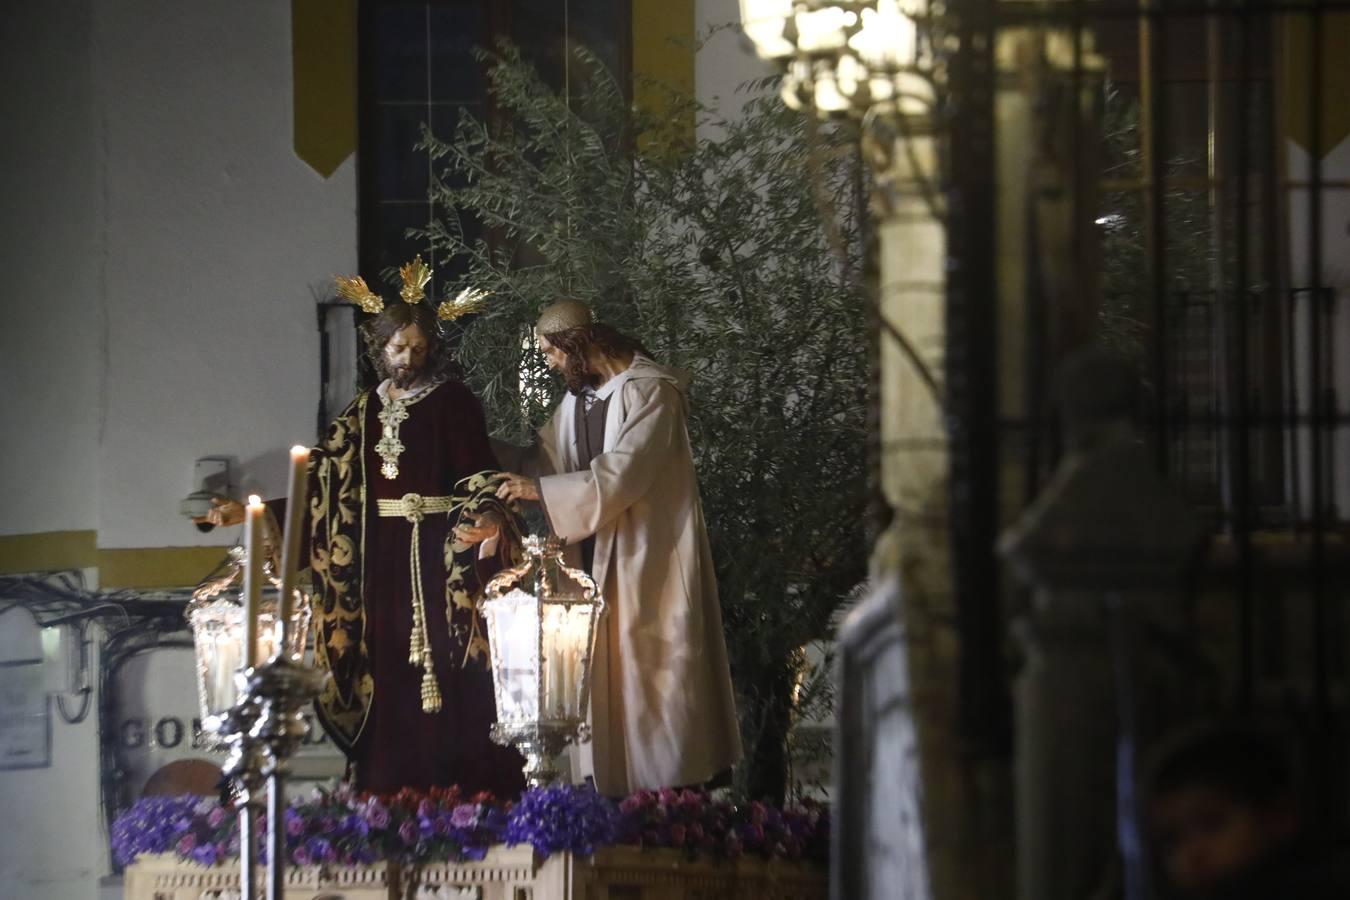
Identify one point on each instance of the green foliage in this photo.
(711, 251)
(1127, 294)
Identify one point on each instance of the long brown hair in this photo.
(576, 343)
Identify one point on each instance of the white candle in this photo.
(576, 638)
(253, 577)
(224, 665)
(296, 501)
(552, 663)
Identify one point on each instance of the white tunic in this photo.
(662, 708)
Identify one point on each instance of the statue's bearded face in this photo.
(570, 363)
(405, 356)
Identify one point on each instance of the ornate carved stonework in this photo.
(507, 873)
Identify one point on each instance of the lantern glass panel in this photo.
(218, 637)
(568, 634)
(513, 623)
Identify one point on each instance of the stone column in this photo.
(957, 804)
(1104, 547)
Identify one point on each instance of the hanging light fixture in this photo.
(846, 57)
(541, 624)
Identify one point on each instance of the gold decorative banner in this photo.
(663, 50)
(1295, 94)
(323, 70)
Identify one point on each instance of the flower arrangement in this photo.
(692, 821)
(196, 828)
(342, 827)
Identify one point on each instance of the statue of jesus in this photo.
(410, 700)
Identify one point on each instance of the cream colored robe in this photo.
(662, 709)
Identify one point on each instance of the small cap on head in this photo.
(564, 316)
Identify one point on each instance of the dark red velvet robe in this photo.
(363, 601)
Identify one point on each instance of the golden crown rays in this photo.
(469, 300)
(354, 290)
(416, 275)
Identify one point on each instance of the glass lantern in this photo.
(216, 615)
(542, 619)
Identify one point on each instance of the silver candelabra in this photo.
(263, 730)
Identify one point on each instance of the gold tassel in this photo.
(431, 694)
(416, 642)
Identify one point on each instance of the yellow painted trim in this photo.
(156, 567)
(1295, 96)
(136, 567)
(663, 51)
(323, 73)
(48, 551)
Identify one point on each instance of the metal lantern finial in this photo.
(541, 623)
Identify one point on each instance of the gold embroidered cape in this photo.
(337, 525)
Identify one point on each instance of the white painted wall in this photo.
(50, 302)
(157, 227)
(727, 60)
(218, 239)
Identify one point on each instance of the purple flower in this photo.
(464, 816)
(562, 818)
(320, 849)
(336, 826)
(205, 854)
(377, 814)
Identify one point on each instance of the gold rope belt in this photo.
(414, 508)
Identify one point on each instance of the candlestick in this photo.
(253, 547)
(296, 501)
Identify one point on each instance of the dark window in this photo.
(418, 67)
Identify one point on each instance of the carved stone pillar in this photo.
(1104, 547)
